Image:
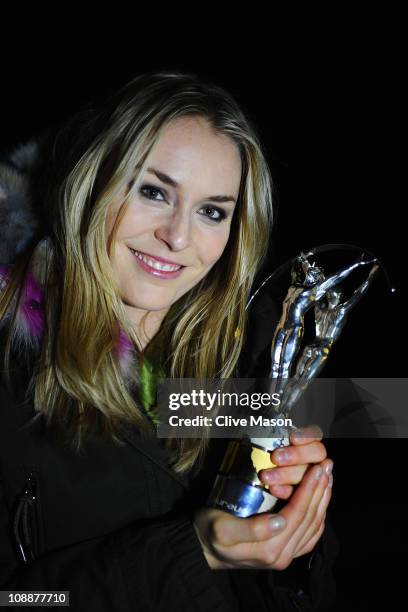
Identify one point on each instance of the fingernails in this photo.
(297, 436)
(318, 473)
(277, 522)
(330, 483)
(281, 456)
(270, 476)
(328, 468)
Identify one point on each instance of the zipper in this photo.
(26, 525)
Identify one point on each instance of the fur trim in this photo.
(29, 326)
(20, 222)
(20, 218)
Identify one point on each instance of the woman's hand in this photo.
(305, 448)
(256, 542)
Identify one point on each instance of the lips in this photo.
(157, 267)
(157, 262)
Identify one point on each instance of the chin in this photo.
(153, 304)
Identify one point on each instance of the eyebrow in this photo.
(165, 178)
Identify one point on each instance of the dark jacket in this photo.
(113, 524)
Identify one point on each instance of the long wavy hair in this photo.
(97, 156)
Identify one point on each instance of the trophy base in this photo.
(240, 498)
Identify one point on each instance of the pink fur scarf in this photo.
(29, 327)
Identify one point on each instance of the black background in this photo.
(330, 116)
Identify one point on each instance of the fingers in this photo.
(281, 491)
(283, 475)
(255, 541)
(309, 540)
(228, 530)
(310, 452)
(277, 553)
(305, 448)
(304, 502)
(312, 519)
(312, 542)
(304, 435)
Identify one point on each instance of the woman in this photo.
(155, 215)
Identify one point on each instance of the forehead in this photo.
(189, 149)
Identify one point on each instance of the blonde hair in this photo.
(78, 383)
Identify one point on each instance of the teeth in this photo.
(155, 264)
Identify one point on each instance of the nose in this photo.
(175, 230)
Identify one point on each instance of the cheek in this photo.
(212, 247)
(132, 225)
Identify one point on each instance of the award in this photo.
(237, 488)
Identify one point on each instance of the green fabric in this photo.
(148, 394)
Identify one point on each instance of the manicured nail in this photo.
(277, 522)
(318, 473)
(329, 468)
(270, 477)
(330, 483)
(281, 456)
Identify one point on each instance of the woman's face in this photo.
(186, 223)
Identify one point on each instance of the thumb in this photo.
(229, 530)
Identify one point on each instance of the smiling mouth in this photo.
(154, 264)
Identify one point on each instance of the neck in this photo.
(146, 323)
